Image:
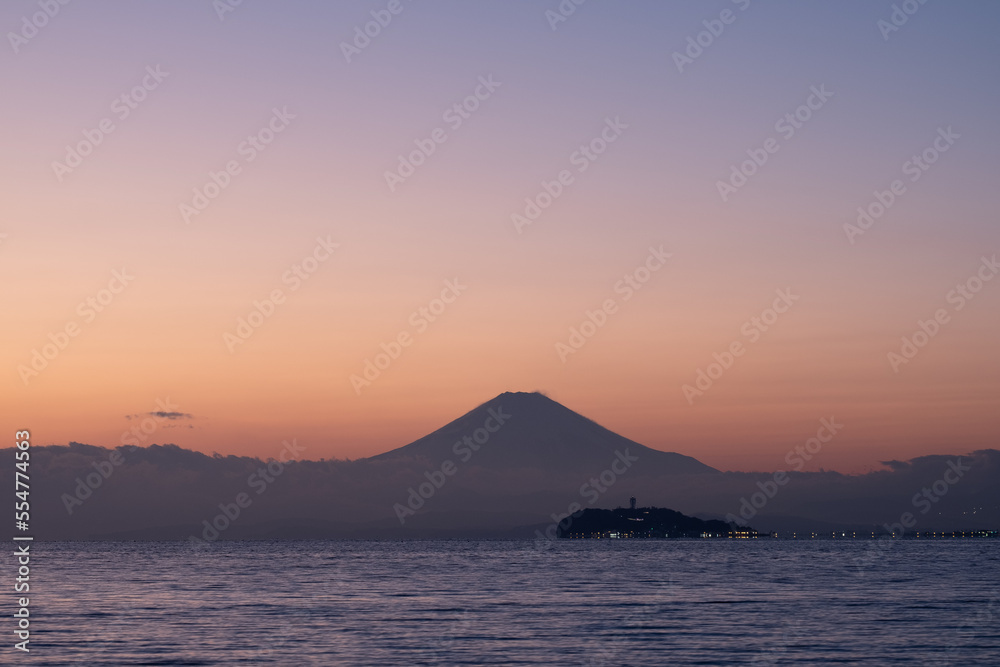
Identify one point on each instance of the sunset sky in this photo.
(668, 130)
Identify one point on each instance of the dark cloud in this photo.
(160, 414)
(165, 492)
(171, 415)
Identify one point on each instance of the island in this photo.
(646, 523)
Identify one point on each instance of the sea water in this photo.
(569, 602)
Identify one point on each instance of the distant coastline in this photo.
(662, 523)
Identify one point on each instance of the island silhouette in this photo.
(645, 523)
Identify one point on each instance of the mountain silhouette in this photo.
(164, 492)
(540, 434)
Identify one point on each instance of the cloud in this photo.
(165, 492)
(171, 415)
(160, 414)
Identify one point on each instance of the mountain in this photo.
(531, 431)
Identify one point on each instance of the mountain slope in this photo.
(538, 433)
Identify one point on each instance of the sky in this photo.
(234, 224)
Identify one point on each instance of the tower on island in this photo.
(631, 502)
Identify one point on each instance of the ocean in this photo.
(570, 602)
